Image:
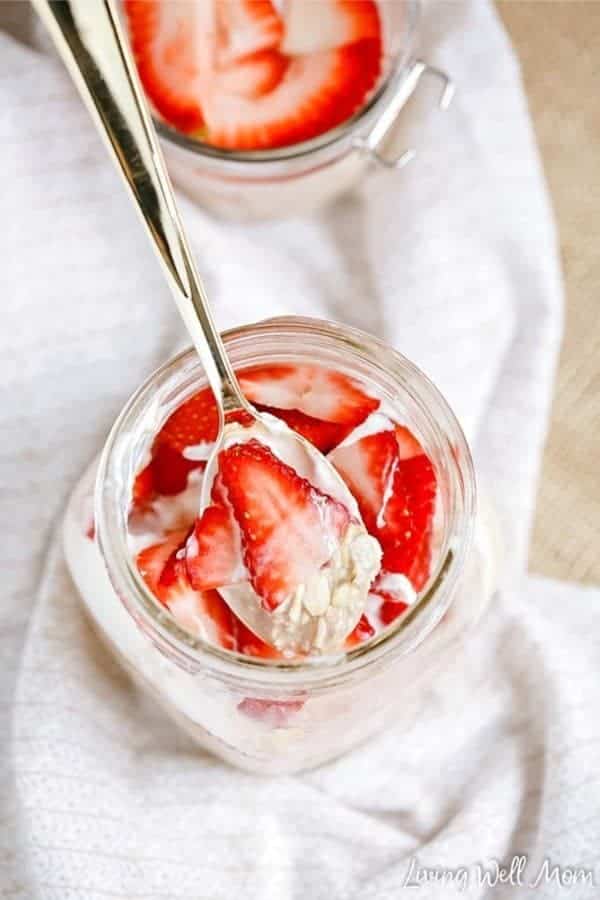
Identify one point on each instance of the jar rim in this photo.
(196, 654)
(330, 140)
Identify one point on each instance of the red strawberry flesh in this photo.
(212, 555)
(152, 561)
(367, 466)
(240, 76)
(162, 39)
(406, 533)
(289, 528)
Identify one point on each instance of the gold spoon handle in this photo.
(91, 42)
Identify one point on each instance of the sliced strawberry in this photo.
(363, 631)
(316, 93)
(367, 466)
(244, 28)
(170, 470)
(301, 392)
(169, 55)
(202, 613)
(91, 530)
(330, 23)
(164, 570)
(219, 67)
(215, 609)
(194, 422)
(405, 535)
(421, 564)
(390, 608)
(151, 561)
(213, 555)
(408, 445)
(289, 528)
(321, 434)
(143, 487)
(276, 713)
(394, 484)
(313, 390)
(254, 75)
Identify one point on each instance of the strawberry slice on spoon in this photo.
(309, 563)
(288, 526)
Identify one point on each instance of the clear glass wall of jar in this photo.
(288, 181)
(272, 716)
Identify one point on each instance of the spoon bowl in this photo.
(314, 624)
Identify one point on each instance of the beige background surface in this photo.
(558, 42)
(559, 47)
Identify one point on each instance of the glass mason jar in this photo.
(282, 716)
(289, 181)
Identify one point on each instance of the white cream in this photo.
(398, 585)
(199, 452)
(373, 424)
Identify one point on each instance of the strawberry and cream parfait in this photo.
(371, 575)
(296, 95)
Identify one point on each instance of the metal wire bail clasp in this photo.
(371, 142)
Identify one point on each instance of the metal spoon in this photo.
(89, 37)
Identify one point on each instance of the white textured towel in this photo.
(454, 262)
